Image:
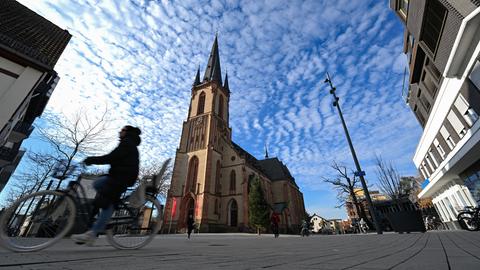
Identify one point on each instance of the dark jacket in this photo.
(124, 165)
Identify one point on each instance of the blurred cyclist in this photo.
(124, 166)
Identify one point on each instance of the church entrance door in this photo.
(233, 213)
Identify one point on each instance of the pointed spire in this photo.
(197, 78)
(266, 151)
(225, 85)
(213, 71)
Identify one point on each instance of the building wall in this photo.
(451, 138)
(15, 90)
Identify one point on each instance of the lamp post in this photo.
(359, 171)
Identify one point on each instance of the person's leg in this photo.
(100, 183)
(89, 237)
(103, 218)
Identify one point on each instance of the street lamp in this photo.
(359, 171)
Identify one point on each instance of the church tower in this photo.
(195, 187)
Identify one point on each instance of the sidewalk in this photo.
(459, 250)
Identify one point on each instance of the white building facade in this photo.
(443, 49)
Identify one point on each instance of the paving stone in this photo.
(434, 250)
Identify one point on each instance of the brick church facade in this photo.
(211, 173)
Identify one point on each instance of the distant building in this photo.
(335, 226)
(212, 174)
(318, 223)
(352, 211)
(441, 41)
(30, 46)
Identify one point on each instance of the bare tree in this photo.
(390, 181)
(69, 137)
(33, 178)
(347, 188)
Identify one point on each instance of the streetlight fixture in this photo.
(359, 171)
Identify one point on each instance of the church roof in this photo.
(197, 78)
(29, 35)
(273, 168)
(213, 71)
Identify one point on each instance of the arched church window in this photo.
(220, 106)
(201, 104)
(192, 174)
(232, 181)
(217, 177)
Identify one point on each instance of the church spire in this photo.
(266, 151)
(213, 71)
(225, 85)
(197, 77)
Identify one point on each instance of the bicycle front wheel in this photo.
(36, 221)
(133, 228)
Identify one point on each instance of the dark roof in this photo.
(29, 35)
(197, 78)
(213, 71)
(273, 168)
(225, 85)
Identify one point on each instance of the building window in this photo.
(201, 104)
(192, 175)
(220, 106)
(465, 110)
(460, 196)
(430, 154)
(456, 123)
(439, 148)
(422, 171)
(217, 178)
(432, 166)
(232, 181)
(428, 170)
(432, 24)
(403, 8)
(446, 136)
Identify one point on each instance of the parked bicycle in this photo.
(469, 218)
(433, 223)
(41, 219)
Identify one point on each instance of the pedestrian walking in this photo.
(190, 225)
(275, 220)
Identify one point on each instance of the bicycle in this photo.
(433, 223)
(469, 218)
(41, 219)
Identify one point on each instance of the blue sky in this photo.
(139, 57)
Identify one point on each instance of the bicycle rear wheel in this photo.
(143, 223)
(36, 221)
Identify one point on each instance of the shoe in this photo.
(87, 238)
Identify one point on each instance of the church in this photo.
(211, 173)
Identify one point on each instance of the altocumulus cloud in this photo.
(140, 58)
